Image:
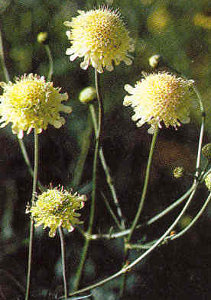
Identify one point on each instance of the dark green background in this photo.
(180, 31)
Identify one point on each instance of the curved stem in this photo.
(94, 183)
(106, 170)
(146, 181)
(141, 257)
(50, 72)
(149, 222)
(61, 235)
(141, 204)
(182, 232)
(36, 154)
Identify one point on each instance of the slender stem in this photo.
(81, 264)
(106, 170)
(27, 161)
(182, 232)
(6, 74)
(94, 184)
(149, 222)
(203, 115)
(61, 235)
(141, 257)
(50, 72)
(111, 211)
(146, 181)
(140, 208)
(36, 154)
(141, 246)
(83, 154)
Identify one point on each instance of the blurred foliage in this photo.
(180, 31)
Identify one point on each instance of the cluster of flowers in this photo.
(31, 103)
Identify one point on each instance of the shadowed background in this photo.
(180, 31)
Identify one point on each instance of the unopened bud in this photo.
(178, 172)
(154, 60)
(42, 37)
(88, 94)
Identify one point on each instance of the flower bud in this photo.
(42, 37)
(154, 60)
(88, 94)
(178, 172)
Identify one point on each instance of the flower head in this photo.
(57, 207)
(160, 97)
(101, 37)
(31, 102)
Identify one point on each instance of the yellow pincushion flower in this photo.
(57, 207)
(100, 37)
(160, 97)
(31, 103)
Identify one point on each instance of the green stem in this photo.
(141, 246)
(50, 72)
(94, 184)
(141, 257)
(111, 211)
(6, 74)
(61, 235)
(182, 232)
(149, 222)
(83, 154)
(106, 170)
(141, 205)
(146, 181)
(203, 116)
(27, 161)
(36, 154)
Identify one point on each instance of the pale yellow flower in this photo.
(160, 98)
(100, 37)
(31, 103)
(57, 207)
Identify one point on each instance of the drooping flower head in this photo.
(100, 37)
(160, 98)
(31, 103)
(57, 207)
